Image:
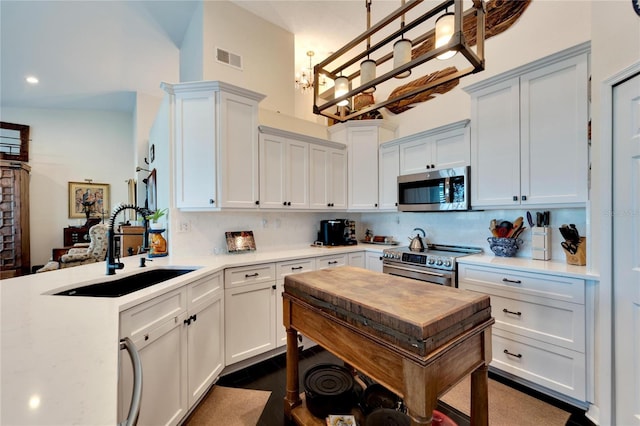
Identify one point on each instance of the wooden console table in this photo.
(416, 339)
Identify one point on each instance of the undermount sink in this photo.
(125, 285)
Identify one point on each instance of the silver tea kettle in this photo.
(416, 242)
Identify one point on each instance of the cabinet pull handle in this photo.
(333, 262)
(251, 275)
(512, 354)
(507, 280)
(136, 395)
(293, 268)
(187, 321)
(506, 311)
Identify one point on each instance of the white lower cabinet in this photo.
(282, 270)
(540, 329)
(373, 261)
(179, 337)
(332, 261)
(357, 259)
(250, 311)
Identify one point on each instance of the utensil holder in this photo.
(580, 258)
(541, 242)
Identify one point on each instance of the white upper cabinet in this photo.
(529, 142)
(215, 145)
(363, 139)
(389, 169)
(439, 148)
(328, 177)
(284, 172)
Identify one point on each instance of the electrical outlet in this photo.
(184, 227)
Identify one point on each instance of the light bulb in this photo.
(444, 32)
(341, 89)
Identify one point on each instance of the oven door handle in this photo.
(421, 271)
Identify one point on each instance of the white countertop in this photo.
(63, 351)
(59, 354)
(554, 267)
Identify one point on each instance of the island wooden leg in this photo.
(292, 396)
(480, 396)
(420, 394)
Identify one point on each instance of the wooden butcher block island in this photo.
(416, 339)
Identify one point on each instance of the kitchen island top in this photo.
(59, 355)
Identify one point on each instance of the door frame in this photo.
(605, 326)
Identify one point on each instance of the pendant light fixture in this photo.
(341, 88)
(407, 46)
(444, 32)
(402, 51)
(368, 66)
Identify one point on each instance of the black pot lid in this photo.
(387, 417)
(328, 380)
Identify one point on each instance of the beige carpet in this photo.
(507, 406)
(229, 407)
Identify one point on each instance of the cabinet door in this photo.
(338, 178)
(195, 151)
(273, 163)
(297, 178)
(284, 269)
(388, 177)
(331, 261)
(205, 337)
(554, 122)
(238, 173)
(163, 354)
(415, 156)
(318, 177)
(451, 149)
(249, 318)
(374, 261)
(363, 168)
(495, 145)
(357, 259)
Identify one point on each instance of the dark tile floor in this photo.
(270, 375)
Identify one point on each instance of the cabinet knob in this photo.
(428, 166)
(433, 166)
(288, 203)
(273, 286)
(284, 203)
(212, 201)
(375, 205)
(515, 198)
(257, 202)
(524, 198)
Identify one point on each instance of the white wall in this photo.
(70, 146)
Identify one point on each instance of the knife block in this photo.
(541, 242)
(580, 258)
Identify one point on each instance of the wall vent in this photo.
(228, 58)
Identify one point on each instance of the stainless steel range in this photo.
(435, 264)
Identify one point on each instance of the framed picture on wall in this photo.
(88, 199)
(152, 192)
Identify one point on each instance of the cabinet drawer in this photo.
(507, 283)
(295, 267)
(555, 368)
(143, 318)
(204, 289)
(554, 322)
(331, 261)
(234, 277)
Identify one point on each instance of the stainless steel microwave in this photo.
(435, 190)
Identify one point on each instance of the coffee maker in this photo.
(337, 232)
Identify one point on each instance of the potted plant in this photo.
(153, 218)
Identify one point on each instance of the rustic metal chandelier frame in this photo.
(340, 62)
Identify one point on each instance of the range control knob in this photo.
(439, 262)
(447, 263)
(431, 261)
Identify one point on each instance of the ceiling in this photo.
(98, 54)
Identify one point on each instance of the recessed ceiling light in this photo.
(32, 79)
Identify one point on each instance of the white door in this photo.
(626, 249)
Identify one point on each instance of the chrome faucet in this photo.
(112, 265)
